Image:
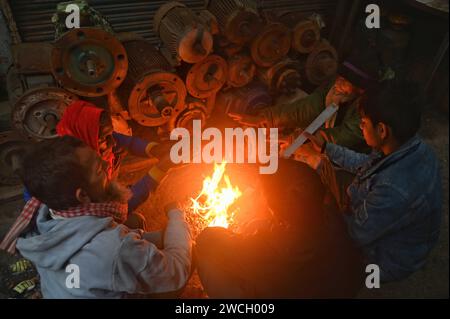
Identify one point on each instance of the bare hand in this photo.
(317, 140)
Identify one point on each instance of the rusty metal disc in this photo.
(207, 77)
(195, 45)
(305, 36)
(322, 63)
(271, 44)
(242, 26)
(11, 144)
(38, 111)
(156, 98)
(195, 110)
(89, 61)
(241, 70)
(281, 78)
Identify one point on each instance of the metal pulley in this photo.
(305, 36)
(186, 36)
(89, 61)
(238, 20)
(12, 146)
(241, 70)
(321, 63)
(37, 112)
(281, 78)
(207, 77)
(153, 91)
(271, 44)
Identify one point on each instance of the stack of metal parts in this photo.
(227, 55)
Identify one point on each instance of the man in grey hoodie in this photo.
(71, 230)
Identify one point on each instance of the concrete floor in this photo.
(430, 282)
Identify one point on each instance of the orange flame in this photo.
(215, 198)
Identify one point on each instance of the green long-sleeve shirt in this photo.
(302, 112)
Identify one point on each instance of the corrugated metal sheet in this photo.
(33, 17)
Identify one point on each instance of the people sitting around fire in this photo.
(93, 125)
(391, 200)
(301, 253)
(345, 90)
(71, 229)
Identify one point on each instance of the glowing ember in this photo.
(215, 199)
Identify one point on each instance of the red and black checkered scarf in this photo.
(116, 210)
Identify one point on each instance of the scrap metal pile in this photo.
(229, 56)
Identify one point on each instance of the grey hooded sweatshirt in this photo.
(110, 259)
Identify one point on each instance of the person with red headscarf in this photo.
(93, 126)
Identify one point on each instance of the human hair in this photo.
(396, 104)
(295, 193)
(51, 171)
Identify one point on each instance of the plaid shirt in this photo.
(116, 210)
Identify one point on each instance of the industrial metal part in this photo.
(238, 19)
(186, 35)
(32, 58)
(11, 147)
(321, 64)
(17, 84)
(153, 91)
(38, 111)
(241, 70)
(271, 44)
(89, 61)
(89, 17)
(305, 36)
(209, 20)
(207, 77)
(195, 110)
(281, 78)
(29, 70)
(246, 100)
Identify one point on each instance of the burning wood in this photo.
(189, 183)
(213, 202)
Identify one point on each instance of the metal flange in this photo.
(241, 70)
(242, 26)
(195, 110)
(271, 44)
(89, 61)
(37, 112)
(322, 63)
(207, 77)
(156, 98)
(305, 36)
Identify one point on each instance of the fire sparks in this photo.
(217, 195)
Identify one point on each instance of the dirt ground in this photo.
(430, 282)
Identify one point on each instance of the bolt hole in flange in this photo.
(89, 62)
(36, 114)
